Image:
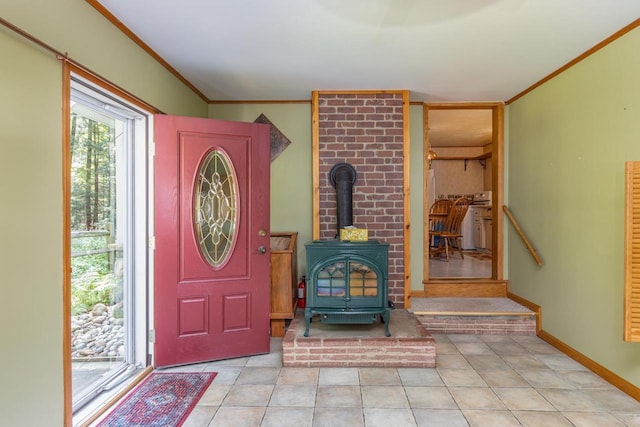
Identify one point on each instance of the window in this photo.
(109, 232)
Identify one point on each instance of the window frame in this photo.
(140, 229)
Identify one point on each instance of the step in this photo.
(489, 316)
(465, 288)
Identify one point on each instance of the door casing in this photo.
(497, 183)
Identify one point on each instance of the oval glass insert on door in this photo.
(215, 208)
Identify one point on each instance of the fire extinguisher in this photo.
(302, 293)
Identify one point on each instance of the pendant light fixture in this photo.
(432, 154)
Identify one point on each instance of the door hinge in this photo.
(152, 336)
(152, 243)
(152, 149)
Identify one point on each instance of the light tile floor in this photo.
(479, 380)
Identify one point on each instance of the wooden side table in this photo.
(284, 280)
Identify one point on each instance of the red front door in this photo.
(211, 239)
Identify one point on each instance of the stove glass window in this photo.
(331, 281)
(363, 281)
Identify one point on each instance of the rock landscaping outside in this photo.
(98, 333)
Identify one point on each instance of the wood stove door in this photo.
(347, 282)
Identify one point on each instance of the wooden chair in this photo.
(450, 235)
(437, 216)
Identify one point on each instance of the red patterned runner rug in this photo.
(163, 399)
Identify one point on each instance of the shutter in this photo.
(632, 252)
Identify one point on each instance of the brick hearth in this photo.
(410, 345)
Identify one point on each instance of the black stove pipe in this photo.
(342, 177)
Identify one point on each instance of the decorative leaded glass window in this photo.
(215, 208)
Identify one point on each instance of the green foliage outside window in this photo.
(92, 209)
(91, 277)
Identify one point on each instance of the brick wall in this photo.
(366, 130)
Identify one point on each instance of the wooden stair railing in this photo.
(533, 252)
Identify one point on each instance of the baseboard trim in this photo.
(593, 366)
(588, 363)
(531, 306)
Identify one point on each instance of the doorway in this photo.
(462, 146)
(107, 205)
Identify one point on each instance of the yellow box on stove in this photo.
(354, 234)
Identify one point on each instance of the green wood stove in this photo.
(347, 282)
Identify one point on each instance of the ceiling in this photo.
(441, 51)
(460, 128)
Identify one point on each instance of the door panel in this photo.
(237, 312)
(211, 216)
(193, 316)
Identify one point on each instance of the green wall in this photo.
(416, 199)
(31, 236)
(31, 226)
(76, 28)
(291, 177)
(291, 186)
(567, 144)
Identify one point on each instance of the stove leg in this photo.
(385, 320)
(307, 321)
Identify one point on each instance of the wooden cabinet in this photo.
(284, 280)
